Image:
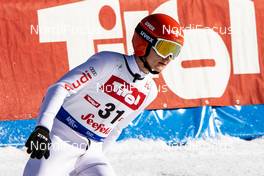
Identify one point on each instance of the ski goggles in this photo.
(166, 48)
(162, 47)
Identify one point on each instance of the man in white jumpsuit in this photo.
(86, 110)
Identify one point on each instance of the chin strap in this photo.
(136, 76)
(147, 66)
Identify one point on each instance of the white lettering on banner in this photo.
(77, 24)
(116, 47)
(244, 37)
(209, 81)
(131, 21)
(199, 82)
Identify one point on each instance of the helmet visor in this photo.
(165, 48)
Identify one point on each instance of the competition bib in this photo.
(100, 111)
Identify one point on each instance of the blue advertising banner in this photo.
(173, 126)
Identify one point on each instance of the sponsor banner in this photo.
(221, 62)
(188, 124)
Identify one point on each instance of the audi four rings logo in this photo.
(93, 71)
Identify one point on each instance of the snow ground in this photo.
(225, 156)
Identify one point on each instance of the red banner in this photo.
(221, 62)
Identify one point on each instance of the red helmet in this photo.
(159, 31)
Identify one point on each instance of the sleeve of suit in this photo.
(58, 92)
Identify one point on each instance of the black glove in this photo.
(38, 143)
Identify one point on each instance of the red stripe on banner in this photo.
(26, 66)
(198, 63)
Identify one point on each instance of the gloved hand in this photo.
(38, 143)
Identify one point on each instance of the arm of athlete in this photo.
(54, 99)
(67, 86)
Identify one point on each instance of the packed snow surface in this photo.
(224, 156)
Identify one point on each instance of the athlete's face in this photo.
(156, 62)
